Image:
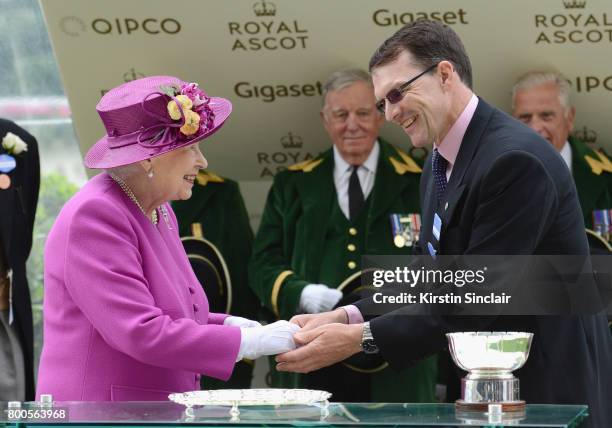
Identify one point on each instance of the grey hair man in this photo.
(322, 215)
(541, 100)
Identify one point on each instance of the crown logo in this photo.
(574, 4)
(291, 141)
(132, 74)
(587, 135)
(264, 8)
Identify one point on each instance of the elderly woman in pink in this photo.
(124, 315)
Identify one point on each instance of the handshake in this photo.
(257, 340)
(277, 338)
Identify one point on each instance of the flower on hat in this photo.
(192, 123)
(194, 105)
(13, 144)
(173, 108)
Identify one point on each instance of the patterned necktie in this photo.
(355, 195)
(439, 172)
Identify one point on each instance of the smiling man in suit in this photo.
(322, 215)
(498, 189)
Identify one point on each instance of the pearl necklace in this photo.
(131, 195)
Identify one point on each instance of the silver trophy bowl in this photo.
(489, 358)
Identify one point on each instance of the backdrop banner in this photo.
(271, 58)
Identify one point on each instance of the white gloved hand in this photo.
(240, 322)
(317, 298)
(270, 339)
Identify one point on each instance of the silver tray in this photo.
(251, 397)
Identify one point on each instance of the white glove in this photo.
(270, 339)
(240, 322)
(317, 298)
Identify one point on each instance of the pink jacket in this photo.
(125, 318)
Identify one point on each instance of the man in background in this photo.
(19, 184)
(322, 215)
(541, 100)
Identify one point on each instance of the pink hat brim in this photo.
(101, 156)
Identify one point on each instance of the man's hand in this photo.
(322, 347)
(310, 321)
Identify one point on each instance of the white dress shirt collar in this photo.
(566, 154)
(366, 174)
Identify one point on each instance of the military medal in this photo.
(602, 224)
(399, 241)
(7, 163)
(405, 229)
(396, 231)
(5, 181)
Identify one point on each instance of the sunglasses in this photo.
(394, 96)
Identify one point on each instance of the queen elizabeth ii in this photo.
(124, 315)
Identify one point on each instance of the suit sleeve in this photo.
(517, 197)
(270, 271)
(104, 277)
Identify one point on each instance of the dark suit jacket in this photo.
(510, 193)
(17, 210)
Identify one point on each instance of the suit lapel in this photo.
(317, 192)
(428, 205)
(469, 145)
(7, 207)
(455, 187)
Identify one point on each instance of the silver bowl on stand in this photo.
(489, 358)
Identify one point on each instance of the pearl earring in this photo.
(150, 174)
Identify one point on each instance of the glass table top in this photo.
(335, 414)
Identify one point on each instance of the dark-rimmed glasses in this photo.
(394, 96)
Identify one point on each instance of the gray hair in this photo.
(343, 78)
(537, 78)
(126, 171)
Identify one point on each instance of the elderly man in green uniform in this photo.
(216, 213)
(322, 215)
(541, 100)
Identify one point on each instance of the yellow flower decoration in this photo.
(192, 123)
(173, 109)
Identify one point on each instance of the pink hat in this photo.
(148, 117)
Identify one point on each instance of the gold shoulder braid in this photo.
(305, 166)
(204, 177)
(131, 195)
(407, 164)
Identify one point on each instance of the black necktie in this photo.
(355, 195)
(439, 171)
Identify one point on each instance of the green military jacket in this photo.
(287, 250)
(218, 206)
(290, 244)
(592, 173)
